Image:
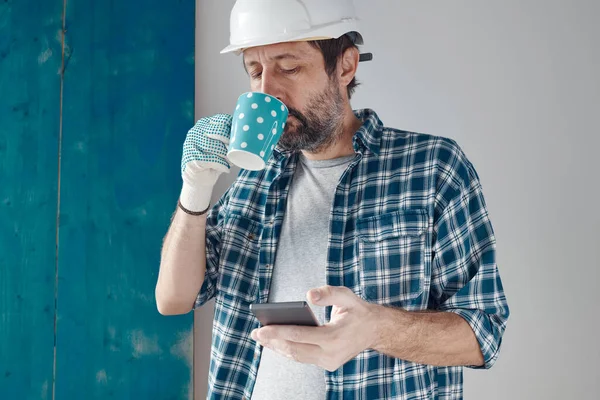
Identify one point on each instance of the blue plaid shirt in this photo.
(408, 228)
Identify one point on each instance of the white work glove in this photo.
(204, 159)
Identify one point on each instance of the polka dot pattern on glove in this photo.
(206, 143)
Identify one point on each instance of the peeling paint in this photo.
(44, 392)
(101, 377)
(143, 345)
(59, 36)
(111, 339)
(44, 56)
(183, 349)
(81, 147)
(147, 298)
(111, 332)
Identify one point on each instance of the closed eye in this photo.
(290, 71)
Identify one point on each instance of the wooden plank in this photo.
(128, 102)
(30, 58)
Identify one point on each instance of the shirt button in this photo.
(251, 236)
(272, 221)
(268, 266)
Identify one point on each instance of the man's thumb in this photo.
(331, 296)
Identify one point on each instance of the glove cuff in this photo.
(195, 199)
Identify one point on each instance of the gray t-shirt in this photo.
(300, 266)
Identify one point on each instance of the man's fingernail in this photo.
(254, 335)
(316, 295)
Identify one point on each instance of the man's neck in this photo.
(343, 146)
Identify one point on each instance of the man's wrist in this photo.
(389, 324)
(378, 314)
(193, 213)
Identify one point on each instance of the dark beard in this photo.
(319, 127)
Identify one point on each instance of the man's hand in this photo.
(427, 337)
(350, 331)
(204, 159)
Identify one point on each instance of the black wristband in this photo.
(195, 213)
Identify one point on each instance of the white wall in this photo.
(516, 84)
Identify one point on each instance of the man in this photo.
(384, 231)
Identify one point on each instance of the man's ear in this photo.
(347, 65)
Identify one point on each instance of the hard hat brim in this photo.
(325, 32)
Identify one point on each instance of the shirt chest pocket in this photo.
(394, 253)
(239, 261)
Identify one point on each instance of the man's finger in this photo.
(299, 334)
(299, 352)
(200, 142)
(340, 296)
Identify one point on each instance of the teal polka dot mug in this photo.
(258, 122)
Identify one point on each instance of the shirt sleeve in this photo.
(465, 278)
(214, 229)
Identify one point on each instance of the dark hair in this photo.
(332, 50)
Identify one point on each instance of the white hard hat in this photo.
(263, 22)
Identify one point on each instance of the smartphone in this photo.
(284, 313)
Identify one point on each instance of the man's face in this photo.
(295, 74)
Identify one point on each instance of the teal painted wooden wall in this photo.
(29, 131)
(80, 244)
